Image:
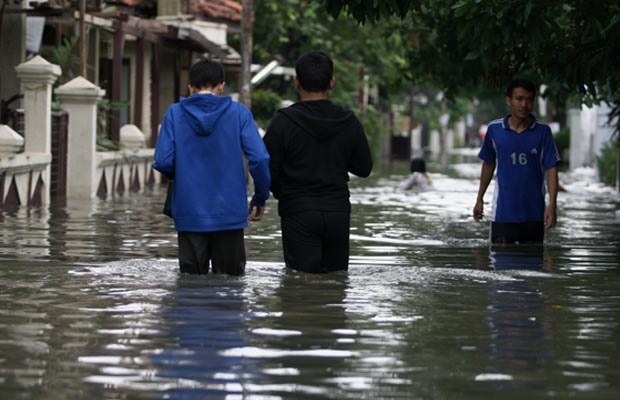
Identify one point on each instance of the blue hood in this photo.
(204, 110)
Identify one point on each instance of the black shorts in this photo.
(224, 250)
(519, 232)
(316, 241)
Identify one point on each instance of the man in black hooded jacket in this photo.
(314, 145)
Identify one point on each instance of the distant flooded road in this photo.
(93, 306)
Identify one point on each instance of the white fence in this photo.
(25, 162)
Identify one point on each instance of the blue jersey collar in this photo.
(506, 125)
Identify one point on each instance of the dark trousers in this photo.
(520, 232)
(316, 241)
(224, 250)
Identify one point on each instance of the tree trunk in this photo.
(618, 164)
(386, 128)
(1, 20)
(247, 23)
(82, 35)
(443, 133)
(412, 123)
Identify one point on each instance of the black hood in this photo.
(320, 119)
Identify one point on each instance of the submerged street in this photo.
(93, 305)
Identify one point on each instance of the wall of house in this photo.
(13, 53)
(168, 78)
(589, 133)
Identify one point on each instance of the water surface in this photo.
(93, 306)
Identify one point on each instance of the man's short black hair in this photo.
(521, 83)
(206, 73)
(314, 71)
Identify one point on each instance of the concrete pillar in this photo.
(132, 137)
(10, 141)
(79, 98)
(37, 77)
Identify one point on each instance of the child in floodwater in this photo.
(418, 181)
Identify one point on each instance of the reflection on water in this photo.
(521, 331)
(93, 306)
(520, 257)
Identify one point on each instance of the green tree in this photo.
(358, 51)
(572, 45)
(265, 103)
(607, 164)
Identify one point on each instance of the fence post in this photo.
(37, 77)
(79, 98)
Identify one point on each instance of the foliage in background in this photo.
(573, 45)
(356, 50)
(104, 115)
(381, 51)
(370, 10)
(607, 163)
(371, 120)
(66, 58)
(375, 52)
(265, 103)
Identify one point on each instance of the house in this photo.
(138, 51)
(135, 52)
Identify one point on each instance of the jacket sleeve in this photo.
(273, 141)
(257, 155)
(164, 149)
(360, 163)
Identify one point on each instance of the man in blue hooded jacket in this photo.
(200, 148)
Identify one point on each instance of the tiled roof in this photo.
(219, 9)
(216, 9)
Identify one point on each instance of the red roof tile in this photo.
(219, 9)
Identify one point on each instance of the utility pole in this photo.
(247, 24)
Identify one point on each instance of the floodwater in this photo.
(92, 305)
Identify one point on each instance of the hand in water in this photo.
(478, 211)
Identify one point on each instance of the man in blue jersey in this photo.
(200, 149)
(523, 151)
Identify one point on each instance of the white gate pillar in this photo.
(79, 98)
(37, 77)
